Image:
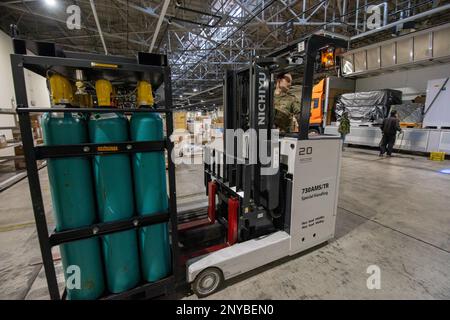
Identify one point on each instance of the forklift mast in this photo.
(248, 95)
(248, 104)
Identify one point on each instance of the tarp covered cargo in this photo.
(409, 112)
(367, 107)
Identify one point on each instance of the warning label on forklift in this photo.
(315, 191)
(312, 222)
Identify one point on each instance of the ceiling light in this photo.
(195, 90)
(50, 3)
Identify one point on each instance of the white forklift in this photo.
(260, 212)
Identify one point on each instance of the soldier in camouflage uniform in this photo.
(287, 106)
(344, 127)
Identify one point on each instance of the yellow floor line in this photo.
(16, 226)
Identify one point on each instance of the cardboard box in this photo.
(19, 164)
(179, 120)
(420, 99)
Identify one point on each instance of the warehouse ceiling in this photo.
(204, 37)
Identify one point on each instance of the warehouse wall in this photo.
(37, 92)
(411, 82)
(6, 84)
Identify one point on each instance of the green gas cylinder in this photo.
(73, 203)
(149, 172)
(114, 189)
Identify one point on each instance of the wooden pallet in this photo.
(410, 124)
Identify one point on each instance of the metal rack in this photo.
(148, 66)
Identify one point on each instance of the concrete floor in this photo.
(392, 212)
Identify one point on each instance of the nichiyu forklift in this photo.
(261, 211)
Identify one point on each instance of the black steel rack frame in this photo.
(148, 66)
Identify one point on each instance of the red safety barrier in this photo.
(212, 188)
(233, 206)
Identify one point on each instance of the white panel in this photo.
(373, 58)
(243, 256)
(441, 43)
(413, 139)
(444, 144)
(434, 139)
(364, 136)
(314, 192)
(437, 106)
(360, 61)
(37, 91)
(422, 47)
(388, 55)
(404, 51)
(347, 67)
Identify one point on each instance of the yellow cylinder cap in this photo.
(103, 88)
(60, 89)
(144, 94)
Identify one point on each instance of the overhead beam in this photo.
(129, 25)
(158, 25)
(292, 11)
(314, 11)
(97, 22)
(151, 12)
(18, 1)
(266, 5)
(246, 9)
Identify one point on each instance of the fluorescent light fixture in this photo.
(50, 3)
(445, 171)
(195, 90)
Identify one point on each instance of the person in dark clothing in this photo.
(389, 127)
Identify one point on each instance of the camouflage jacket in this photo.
(344, 126)
(287, 106)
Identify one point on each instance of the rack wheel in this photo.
(207, 282)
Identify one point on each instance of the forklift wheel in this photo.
(313, 132)
(207, 282)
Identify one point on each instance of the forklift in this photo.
(261, 211)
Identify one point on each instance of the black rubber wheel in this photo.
(207, 282)
(313, 132)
